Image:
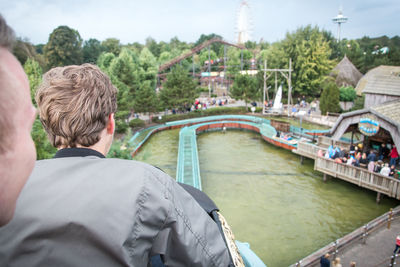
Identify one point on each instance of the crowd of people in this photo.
(372, 160)
(336, 262)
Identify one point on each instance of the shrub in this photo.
(121, 127)
(347, 94)
(135, 123)
(203, 113)
(329, 101)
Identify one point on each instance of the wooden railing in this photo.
(308, 150)
(362, 177)
(324, 141)
(352, 239)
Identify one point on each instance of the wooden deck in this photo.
(362, 177)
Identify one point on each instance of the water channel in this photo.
(282, 208)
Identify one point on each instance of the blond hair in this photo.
(74, 103)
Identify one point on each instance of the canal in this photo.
(282, 208)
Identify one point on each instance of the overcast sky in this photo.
(133, 21)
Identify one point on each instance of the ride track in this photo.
(188, 169)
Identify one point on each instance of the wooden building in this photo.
(377, 124)
(379, 85)
(346, 73)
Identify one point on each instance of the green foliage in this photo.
(118, 150)
(244, 88)
(23, 50)
(347, 94)
(136, 123)
(358, 103)
(146, 99)
(148, 67)
(111, 45)
(216, 47)
(44, 150)
(64, 47)
(202, 113)
(34, 73)
(329, 101)
(91, 50)
(178, 90)
(152, 45)
(104, 61)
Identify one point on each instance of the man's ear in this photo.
(111, 124)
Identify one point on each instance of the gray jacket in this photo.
(89, 211)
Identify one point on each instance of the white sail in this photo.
(277, 102)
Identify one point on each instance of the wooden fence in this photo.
(359, 176)
(359, 235)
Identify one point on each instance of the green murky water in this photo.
(282, 208)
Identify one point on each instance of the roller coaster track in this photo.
(194, 51)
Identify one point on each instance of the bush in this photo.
(203, 113)
(121, 127)
(136, 123)
(359, 103)
(329, 101)
(347, 94)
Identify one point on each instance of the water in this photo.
(282, 208)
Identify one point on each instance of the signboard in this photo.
(205, 74)
(368, 125)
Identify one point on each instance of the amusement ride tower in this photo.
(243, 25)
(339, 19)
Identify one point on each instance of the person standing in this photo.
(325, 262)
(17, 114)
(83, 209)
(394, 155)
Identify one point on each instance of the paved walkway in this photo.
(377, 250)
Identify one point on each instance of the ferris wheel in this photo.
(244, 23)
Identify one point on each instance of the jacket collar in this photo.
(77, 152)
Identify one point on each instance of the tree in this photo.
(104, 61)
(91, 50)
(34, 73)
(178, 90)
(146, 98)
(244, 88)
(329, 101)
(347, 94)
(44, 149)
(216, 47)
(111, 45)
(152, 45)
(147, 67)
(64, 47)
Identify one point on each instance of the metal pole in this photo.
(241, 60)
(290, 86)
(209, 72)
(265, 85)
(390, 217)
(223, 79)
(193, 64)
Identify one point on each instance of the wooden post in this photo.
(325, 177)
(390, 218)
(378, 197)
(301, 160)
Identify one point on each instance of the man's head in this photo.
(76, 106)
(17, 114)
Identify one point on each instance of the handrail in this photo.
(344, 242)
(362, 177)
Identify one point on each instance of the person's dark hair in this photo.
(7, 35)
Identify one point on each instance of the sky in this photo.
(133, 21)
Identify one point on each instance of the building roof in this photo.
(384, 80)
(346, 73)
(388, 111)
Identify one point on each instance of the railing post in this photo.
(335, 251)
(390, 218)
(365, 233)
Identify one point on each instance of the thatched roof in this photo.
(384, 80)
(346, 73)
